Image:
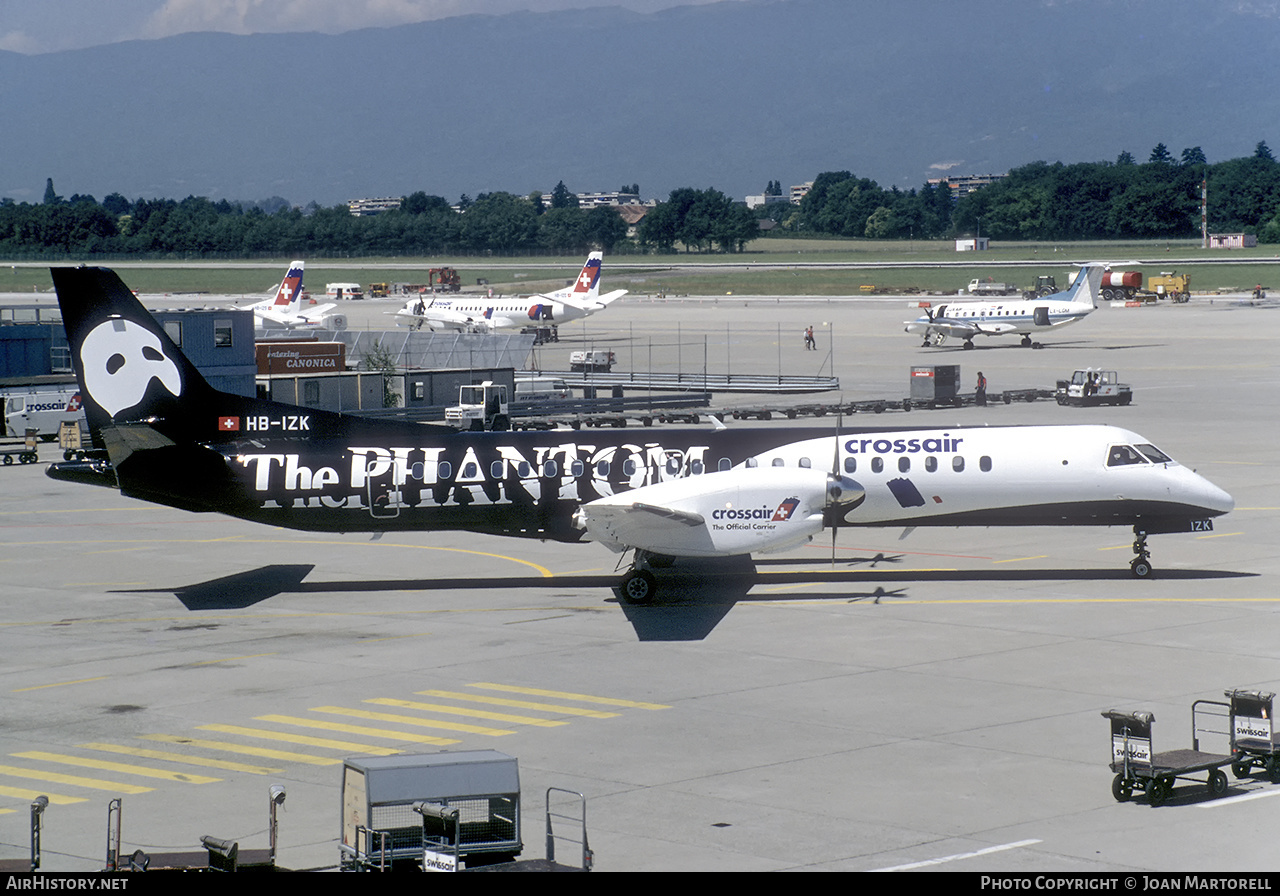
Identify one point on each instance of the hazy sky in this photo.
(44, 26)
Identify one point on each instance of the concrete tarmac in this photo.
(929, 702)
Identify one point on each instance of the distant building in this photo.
(764, 199)
(799, 191)
(631, 215)
(973, 244)
(1232, 241)
(365, 207)
(590, 200)
(962, 186)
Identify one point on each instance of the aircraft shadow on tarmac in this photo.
(693, 596)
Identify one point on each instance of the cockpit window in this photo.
(1154, 454)
(1123, 455)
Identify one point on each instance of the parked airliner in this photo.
(479, 314)
(1007, 317)
(167, 436)
(286, 310)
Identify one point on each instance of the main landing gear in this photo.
(1140, 566)
(639, 586)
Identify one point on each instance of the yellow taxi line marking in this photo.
(778, 589)
(7, 811)
(565, 695)
(233, 659)
(73, 780)
(282, 755)
(409, 720)
(58, 684)
(359, 729)
(57, 799)
(1020, 559)
(165, 756)
(522, 704)
(473, 713)
(303, 739)
(103, 765)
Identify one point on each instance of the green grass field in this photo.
(900, 266)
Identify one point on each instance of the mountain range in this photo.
(725, 95)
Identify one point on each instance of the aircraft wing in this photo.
(620, 525)
(959, 329)
(442, 319)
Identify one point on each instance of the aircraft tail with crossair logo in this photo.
(286, 309)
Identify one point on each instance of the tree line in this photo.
(498, 223)
(1040, 201)
(1096, 200)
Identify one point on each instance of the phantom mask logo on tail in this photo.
(120, 359)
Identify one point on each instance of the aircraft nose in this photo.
(1210, 497)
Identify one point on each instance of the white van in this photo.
(542, 388)
(43, 411)
(343, 291)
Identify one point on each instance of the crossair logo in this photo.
(943, 444)
(587, 279)
(781, 514)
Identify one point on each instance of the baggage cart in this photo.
(1138, 767)
(474, 795)
(1253, 736)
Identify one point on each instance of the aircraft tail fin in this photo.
(289, 295)
(588, 285)
(585, 292)
(128, 367)
(1088, 284)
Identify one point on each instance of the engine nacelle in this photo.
(721, 514)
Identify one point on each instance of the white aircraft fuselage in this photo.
(1011, 317)
(169, 437)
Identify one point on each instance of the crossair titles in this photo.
(943, 445)
(376, 478)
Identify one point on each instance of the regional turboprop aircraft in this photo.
(285, 308)
(481, 315)
(1001, 317)
(165, 435)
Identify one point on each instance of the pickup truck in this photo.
(988, 288)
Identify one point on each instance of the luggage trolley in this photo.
(1253, 737)
(1137, 766)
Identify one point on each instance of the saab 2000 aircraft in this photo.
(479, 314)
(285, 308)
(165, 435)
(1009, 317)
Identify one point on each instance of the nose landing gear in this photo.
(1140, 566)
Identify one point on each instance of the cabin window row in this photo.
(500, 469)
(878, 464)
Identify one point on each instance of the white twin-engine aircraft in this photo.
(165, 435)
(998, 476)
(478, 314)
(1010, 317)
(285, 308)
